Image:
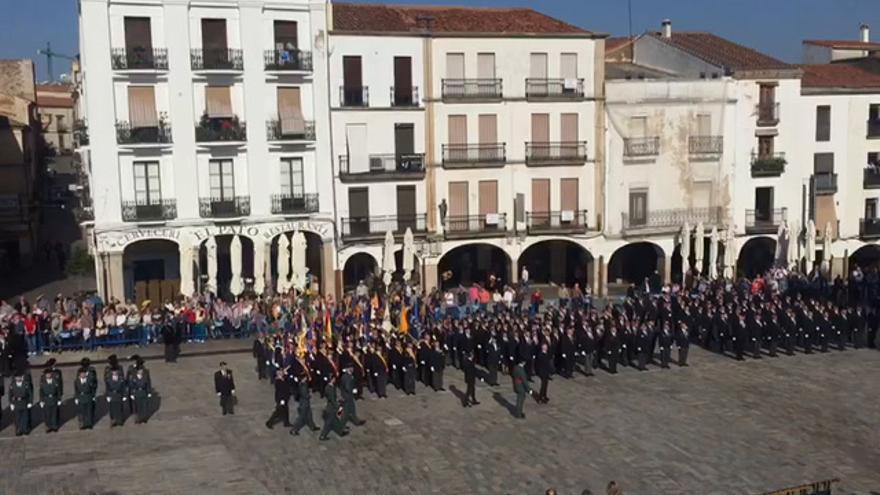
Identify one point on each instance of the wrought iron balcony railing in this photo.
(869, 228)
(489, 225)
(874, 128)
(149, 211)
(294, 204)
(287, 60)
(376, 226)
(825, 183)
(139, 58)
(641, 147)
(768, 164)
(217, 59)
(537, 88)
(554, 153)
(871, 178)
(156, 134)
(211, 129)
(705, 145)
(474, 155)
(670, 220)
(290, 130)
(471, 89)
(216, 207)
(404, 96)
(564, 221)
(765, 221)
(388, 166)
(354, 96)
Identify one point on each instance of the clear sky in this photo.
(776, 27)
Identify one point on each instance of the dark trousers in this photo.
(409, 381)
(492, 374)
(683, 355)
(542, 394)
(756, 348)
(520, 402)
(22, 420)
(86, 412)
(281, 413)
(304, 417)
(51, 415)
(612, 362)
(115, 408)
(665, 356)
(332, 423)
(169, 353)
(381, 380)
(437, 380)
(141, 408)
(773, 345)
(643, 360)
(471, 393)
(226, 404)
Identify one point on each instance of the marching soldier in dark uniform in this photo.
(282, 401)
(137, 364)
(334, 412)
(169, 339)
(20, 403)
(470, 378)
(740, 332)
(789, 331)
(771, 330)
(493, 360)
(141, 391)
(50, 399)
(437, 364)
(379, 370)
(665, 341)
(117, 395)
(857, 327)
(224, 386)
(611, 349)
(408, 361)
(346, 387)
(259, 352)
(683, 342)
(542, 370)
(567, 353)
(643, 343)
(84, 389)
(521, 387)
(756, 334)
(841, 328)
(304, 406)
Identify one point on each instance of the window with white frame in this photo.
(292, 177)
(147, 187)
(222, 180)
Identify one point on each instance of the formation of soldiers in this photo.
(125, 392)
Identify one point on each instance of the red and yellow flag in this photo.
(404, 320)
(328, 326)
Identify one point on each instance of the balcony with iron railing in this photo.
(404, 96)
(765, 221)
(220, 130)
(149, 211)
(287, 60)
(217, 59)
(871, 177)
(126, 134)
(768, 164)
(354, 96)
(474, 155)
(294, 204)
(641, 147)
(375, 227)
(218, 207)
(471, 89)
(384, 167)
(552, 89)
(290, 130)
(468, 226)
(869, 228)
(557, 222)
(670, 220)
(556, 153)
(825, 183)
(768, 113)
(705, 145)
(139, 58)
(80, 133)
(873, 128)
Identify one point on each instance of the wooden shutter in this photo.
(458, 206)
(286, 35)
(488, 191)
(540, 195)
(351, 72)
(455, 65)
(406, 208)
(638, 207)
(540, 128)
(218, 101)
(214, 34)
(568, 192)
(568, 66)
(569, 127)
(488, 129)
(137, 33)
(142, 107)
(458, 129)
(538, 66)
(403, 74)
(404, 139)
(356, 141)
(486, 65)
(290, 111)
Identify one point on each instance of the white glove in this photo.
(233, 393)
(124, 399)
(59, 403)
(282, 403)
(355, 391)
(12, 407)
(432, 369)
(218, 394)
(108, 399)
(149, 395)
(376, 374)
(132, 396)
(76, 401)
(42, 404)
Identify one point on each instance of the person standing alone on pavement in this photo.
(224, 386)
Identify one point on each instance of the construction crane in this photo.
(49, 56)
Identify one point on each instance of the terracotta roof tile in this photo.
(839, 76)
(612, 44)
(719, 51)
(845, 44)
(405, 18)
(53, 101)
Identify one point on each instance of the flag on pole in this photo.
(328, 326)
(404, 320)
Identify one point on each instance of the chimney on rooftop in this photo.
(865, 31)
(667, 28)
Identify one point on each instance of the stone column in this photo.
(431, 279)
(329, 277)
(667, 269)
(115, 276)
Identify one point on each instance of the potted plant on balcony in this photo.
(219, 129)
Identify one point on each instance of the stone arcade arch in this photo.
(558, 260)
(473, 262)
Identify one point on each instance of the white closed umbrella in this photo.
(730, 254)
(698, 247)
(211, 247)
(235, 285)
(810, 242)
(283, 264)
(791, 244)
(388, 257)
(408, 254)
(780, 246)
(713, 253)
(259, 265)
(685, 249)
(826, 249)
(298, 253)
(186, 268)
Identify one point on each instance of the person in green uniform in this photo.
(140, 394)
(346, 386)
(334, 415)
(50, 400)
(84, 396)
(20, 403)
(304, 407)
(521, 387)
(117, 396)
